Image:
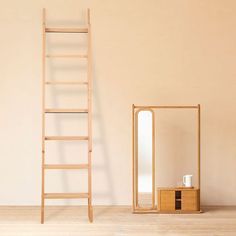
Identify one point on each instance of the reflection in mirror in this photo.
(145, 158)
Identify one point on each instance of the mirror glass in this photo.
(145, 158)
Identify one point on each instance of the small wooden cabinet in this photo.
(175, 200)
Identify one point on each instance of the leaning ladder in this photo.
(45, 110)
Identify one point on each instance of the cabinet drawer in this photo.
(167, 200)
(190, 200)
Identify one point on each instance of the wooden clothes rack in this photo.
(88, 111)
(135, 110)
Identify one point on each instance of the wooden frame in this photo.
(136, 206)
(135, 110)
(88, 83)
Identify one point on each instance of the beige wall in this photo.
(145, 52)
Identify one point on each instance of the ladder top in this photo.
(66, 30)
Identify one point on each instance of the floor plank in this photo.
(117, 221)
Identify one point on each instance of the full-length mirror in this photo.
(144, 159)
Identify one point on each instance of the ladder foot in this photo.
(42, 218)
(42, 210)
(90, 214)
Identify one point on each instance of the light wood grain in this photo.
(43, 108)
(133, 161)
(177, 188)
(65, 195)
(66, 138)
(166, 107)
(66, 30)
(190, 200)
(153, 160)
(66, 56)
(199, 146)
(167, 200)
(72, 220)
(90, 88)
(66, 82)
(187, 200)
(199, 154)
(65, 166)
(53, 110)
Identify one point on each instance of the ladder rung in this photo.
(66, 30)
(65, 195)
(66, 110)
(66, 138)
(66, 166)
(65, 82)
(66, 56)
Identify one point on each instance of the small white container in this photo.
(187, 181)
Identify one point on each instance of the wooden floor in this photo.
(117, 221)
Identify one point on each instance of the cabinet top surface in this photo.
(177, 188)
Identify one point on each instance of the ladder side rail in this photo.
(43, 108)
(89, 76)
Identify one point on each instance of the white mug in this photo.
(187, 180)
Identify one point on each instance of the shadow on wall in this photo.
(102, 140)
(60, 146)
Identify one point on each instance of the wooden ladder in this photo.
(88, 83)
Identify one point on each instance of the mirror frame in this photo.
(136, 205)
